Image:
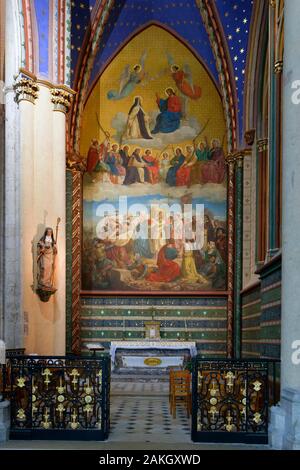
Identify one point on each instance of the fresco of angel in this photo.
(129, 79)
(184, 80)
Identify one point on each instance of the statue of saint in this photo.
(47, 252)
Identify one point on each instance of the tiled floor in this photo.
(147, 419)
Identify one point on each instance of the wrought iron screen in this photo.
(231, 399)
(59, 397)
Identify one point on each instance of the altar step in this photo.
(138, 376)
(143, 388)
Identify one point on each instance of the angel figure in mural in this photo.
(129, 79)
(184, 82)
(137, 126)
(46, 251)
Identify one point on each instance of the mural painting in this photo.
(153, 134)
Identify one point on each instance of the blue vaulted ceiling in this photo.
(235, 16)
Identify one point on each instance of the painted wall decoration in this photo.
(153, 132)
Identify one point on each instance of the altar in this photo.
(140, 356)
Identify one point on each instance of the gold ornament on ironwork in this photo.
(33, 386)
(257, 385)
(200, 377)
(74, 423)
(46, 423)
(257, 418)
(213, 391)
(21, 382)
(61, 388)
(60, 398)
(213, 401)
(60, 410)
(229, 425)
(213, 412)
(75, 374)
(88, 409)
(230, 379)
(47, 373)
(88, 399)
(21, 414)
(87, 388)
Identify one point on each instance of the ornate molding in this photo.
(236, 158)
(26, 87)
(278, 66)
(262, 145)
(62, 99)
(76, 259)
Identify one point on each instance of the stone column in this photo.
(273, 138)
(13, 321)
(26, 93)
(285, 419)
(61, 100)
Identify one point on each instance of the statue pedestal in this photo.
(4, 420)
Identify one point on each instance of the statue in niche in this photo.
(46, 251)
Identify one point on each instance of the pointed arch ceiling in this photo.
(217, 31)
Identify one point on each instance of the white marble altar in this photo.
(147, 349)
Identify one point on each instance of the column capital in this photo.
(262, 145)
(236, 158)
(62, 98)
(25, 87)
(278, 66)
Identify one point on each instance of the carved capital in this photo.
(26, 88)
(236, 158)
(62, 99)
(262, 145)
(278, 66)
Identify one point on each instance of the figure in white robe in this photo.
(137, 126)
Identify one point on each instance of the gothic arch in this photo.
(217, 41)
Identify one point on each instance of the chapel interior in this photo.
(122, 122)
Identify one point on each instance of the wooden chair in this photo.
(180, 390)
(171, 380)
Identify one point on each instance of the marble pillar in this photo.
(42, 109)
(285, 419)
(13, 318)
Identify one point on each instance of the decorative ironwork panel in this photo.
(60, 397)
(231, 400)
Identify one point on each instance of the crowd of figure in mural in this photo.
(164, 262)
(197, 164)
